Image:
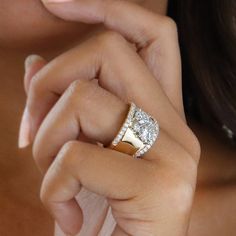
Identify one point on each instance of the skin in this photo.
(216, 177)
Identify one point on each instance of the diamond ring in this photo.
(137, 134)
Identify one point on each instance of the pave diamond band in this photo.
(137, 134)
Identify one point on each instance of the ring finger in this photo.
(86, 107)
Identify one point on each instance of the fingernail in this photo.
(31, 59)
(24, 135)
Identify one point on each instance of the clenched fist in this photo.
(81, 98)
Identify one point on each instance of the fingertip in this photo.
(68, 216)
(33, 63)
(31, 59)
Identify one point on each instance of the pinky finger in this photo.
(100, 170)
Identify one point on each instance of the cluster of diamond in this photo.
(144, 127)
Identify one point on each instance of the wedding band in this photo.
(137, 134)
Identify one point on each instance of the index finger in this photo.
(154, 35)
(116, 15)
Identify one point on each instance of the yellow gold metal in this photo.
(129, 143)
(137, 134)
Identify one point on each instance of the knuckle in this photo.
(169, 26)
(110, 38)
(76, 91)
(69, 147)
(66, 154)
(192, 146)
(179, 191)
(75, 87)
(195, 147)
(181, 194)
(80, 92)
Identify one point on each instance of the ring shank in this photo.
(129, 143)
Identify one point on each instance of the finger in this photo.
(154, 35)
(79, 164)
(99, 114)
(124, 75)
(33, 64)
(83, 107)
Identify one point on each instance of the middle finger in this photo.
(84, 107)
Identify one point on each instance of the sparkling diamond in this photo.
(136, 127)
(141, 116)
(144, 126)
(144, 135)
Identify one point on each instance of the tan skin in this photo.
(21, 209)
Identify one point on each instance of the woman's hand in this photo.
(85, 92)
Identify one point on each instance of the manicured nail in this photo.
(24, 135)
(31, 59)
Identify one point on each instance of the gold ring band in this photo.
(137, 134)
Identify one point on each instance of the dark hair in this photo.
(207, 34)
